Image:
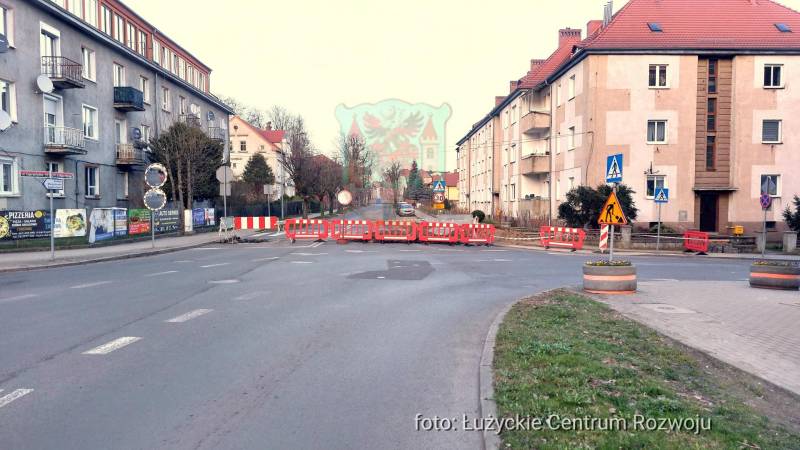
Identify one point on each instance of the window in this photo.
(166, 101)
(92, 179)
(8, 176)
(145, 133)
(88, 64)
(119, 28)
(558, 94)
(711, 113)
(144, 86)
(130, 37)
(54, 167)
(90, 122)
(656, 131)
(513, 192)
(711, 152)
(571, 139)
(769, 185)
(783, 28)
(571, 87)
(771, 132)
(242, 146)
(202, 82)
(119, 75)
(772, 76)
(105, 20)
(142, 43)
(7, 24)
(91, 12)
(122, 185)
(76, 7)
(654, 182)
(50, 45)
(8, 99)
(712, 76)
(655, 27)
(175, 63)
(156, 52)
(182, 105)
(658, 76)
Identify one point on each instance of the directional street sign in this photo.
(53, 184)
(46, 174)
(614, 168)
(438, 186)
(766, 201)
(662, 195)
(612, 214)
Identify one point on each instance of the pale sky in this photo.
(311, 55)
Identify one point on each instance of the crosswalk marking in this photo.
(161, 273)
(88, 285)
(16, 394)
(189, 316)
(111, 346)
(214, 265)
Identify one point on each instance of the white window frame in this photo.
(118, 81)
(96, 186)
(655, 179)
(571, 88)
(76, 8)
(125, 185)
(156, 52)
(119, 28)
(144, 85)
(659, 69)
(54, 33)
(181, 105)
(90, 7)
(89, 69)
(145, 129)
(777, 178)
(106, 23)
(655, 141)
(772, 66)
(57, 167)
(780, 131)
(141, 44)
(571, 138)
(166, 99)
(95, 122)
(12, 99)
(15, 185)
(7, 18)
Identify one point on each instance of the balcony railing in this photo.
(535, 121)
(63, 72)
(216, 133)
(128, 99)
(129, 155)
(537, 163)
(64, 141)
(189, 119)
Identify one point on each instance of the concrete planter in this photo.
(609, 279)
(775, 277)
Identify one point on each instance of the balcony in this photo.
(538, 163)
(216, 133)
(64, 141)
(128, 99)
(189, 119)
(535, 121)
(63, 72)
(129, 155)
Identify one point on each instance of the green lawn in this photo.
(566, 355)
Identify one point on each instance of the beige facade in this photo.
(247, 140)
(478, 165)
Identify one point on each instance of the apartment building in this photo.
(114, 82)
(479, 164)
(697, 96)
(247, 140)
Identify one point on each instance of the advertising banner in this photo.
(70, 223)
(198, 217)
(138, 221)
(120, 222)
(167, 220)
(101, 224)
(24, 224)
(210, 219)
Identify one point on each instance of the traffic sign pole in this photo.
(764, 237)
(658, 234)
(52, 219)
(612, 229)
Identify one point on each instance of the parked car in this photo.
(405, 210)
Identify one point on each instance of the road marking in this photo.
(409, 250)
(502, 260)
(5, 400)
(189, 316)
(18, 297)
(161, 273)
(272, 258)
(309, 254)
(249, 296)
(88, 285)
(207, 248)
(302, 262)
(214, 265)
(361, 251)
(381, 278)
(184, 261)
(224, 281)
(317, 244)
(109, 347)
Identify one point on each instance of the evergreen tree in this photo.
(792, 218)
(584, 203)
(257, 171)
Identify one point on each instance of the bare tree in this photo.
(358, 163)
(392, 175)
(331, 179)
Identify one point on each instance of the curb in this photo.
(486, 404)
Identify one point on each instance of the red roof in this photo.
(429, 133)
(696, 25)
(540, 72)
(451, 179)
(274, 136)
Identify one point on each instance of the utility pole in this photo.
(283, 180)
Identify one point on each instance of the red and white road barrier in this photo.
(438, 232)
(395, 231)
(696, 241)
(351, 230)
(306, 229)
(255, 223)
(477, 234)
(562, 237)
(604, 238)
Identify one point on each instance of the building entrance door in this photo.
(708, 211)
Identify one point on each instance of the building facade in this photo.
(247, 140)
(87, 84)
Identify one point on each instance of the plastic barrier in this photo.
(255, 223)
(395, 231)
(696, 241)
(351, 230)
(306, 229)
(438, 232)
(477, 234)
(562, 237)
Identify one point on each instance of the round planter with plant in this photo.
(609, 277)
(783, 275)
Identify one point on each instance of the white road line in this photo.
(272, 258)
(189, 316)
(302, 262)
(161, 273)
(5, 400)
(361, 251)
(316, 244)
(109, 347)
(18, 297)
(88, 285)
(207, 248)
(409, 250)
(502, 260)
(184, 261)
(214, 265)
(224, 281)
(248, 296)
(309, 254)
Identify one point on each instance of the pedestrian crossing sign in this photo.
(614, 168)
(662, 195)
(612, 214)
(438, 186)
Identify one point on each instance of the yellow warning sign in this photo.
(612, 214)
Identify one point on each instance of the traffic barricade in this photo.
(562, 237)
(255, 223)
(351, 230)
(696, 241)
(480, 233)
(438, 232)
(306, 229)
(395, 231)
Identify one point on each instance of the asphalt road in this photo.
(267, 346)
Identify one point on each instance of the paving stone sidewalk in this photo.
(755, 330)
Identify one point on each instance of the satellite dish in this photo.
(44, 84)
(210, 116)
(5, 120)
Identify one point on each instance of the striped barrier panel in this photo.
(477, 234)
(351, 230)
(696, 241)
(395, 231)
(255, 223)
(562, 237)
(438, 232)
(306, 229)
(604, 238)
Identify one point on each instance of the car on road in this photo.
(405, 210)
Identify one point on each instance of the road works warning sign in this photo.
(612, 214)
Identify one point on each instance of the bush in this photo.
(584, 204)
(479, 214)
(665, 229)
(604, 263)
(792, 218)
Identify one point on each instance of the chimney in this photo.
(536, 63)
(512, 85)
(593, 26)
(608, 12)
(568, 35)
(499, 99)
